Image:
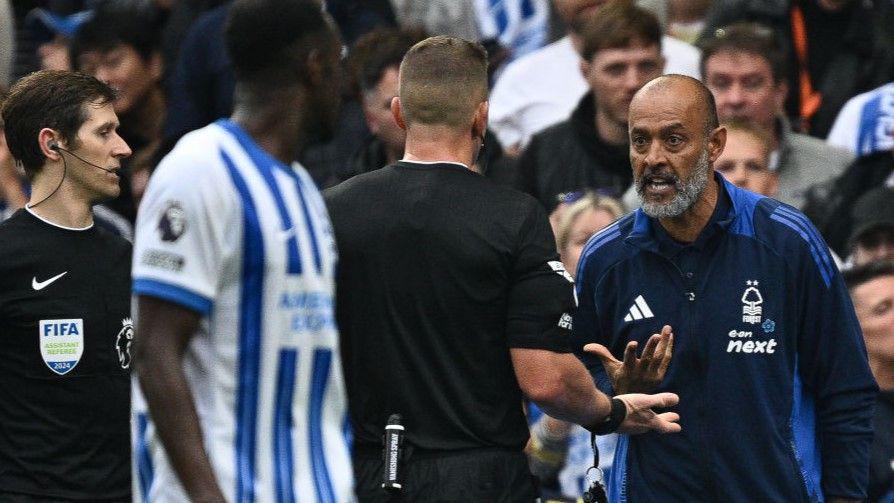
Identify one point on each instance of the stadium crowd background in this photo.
(806, 88)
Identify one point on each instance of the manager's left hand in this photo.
(637, 375)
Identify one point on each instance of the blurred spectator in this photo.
(201, 91)
(7, 43)
(31, 31)
(580, 221)
(872, 238)
(178, 16)
(324, 159)
(560, 452)
(358, 17)
(456, 18)
(682, 19)
(865, 124)
(521, 26)
(621, 48)
(54, 33)
(375, 62)
(872, 290)
(744, 67)
(830, 205)
(544, 87)
(120, 45)
(836, 49)
(745, 160)
(201, 86)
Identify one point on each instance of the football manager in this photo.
(775, 391)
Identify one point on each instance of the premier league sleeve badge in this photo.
(123, 342)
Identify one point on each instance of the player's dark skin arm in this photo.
(163, 332)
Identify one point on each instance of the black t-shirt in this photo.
(441, 271)
(65, 339)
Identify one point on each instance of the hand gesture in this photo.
(641, 418)
(640, 375)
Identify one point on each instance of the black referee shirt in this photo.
(65, 339)
(440, 273)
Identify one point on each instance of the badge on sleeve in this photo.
(61, 343)
(172, 224)
(123, 342)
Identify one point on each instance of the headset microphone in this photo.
(55, 146)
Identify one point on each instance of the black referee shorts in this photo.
(490, 475)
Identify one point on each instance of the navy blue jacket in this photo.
(776, 395)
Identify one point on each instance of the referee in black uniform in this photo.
(452, 303)
(65, 331)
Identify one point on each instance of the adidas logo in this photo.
(639, 310)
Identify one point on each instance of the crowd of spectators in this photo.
(805, 89)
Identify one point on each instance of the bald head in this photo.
(684, 92)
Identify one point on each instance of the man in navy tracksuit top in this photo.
(775, 391)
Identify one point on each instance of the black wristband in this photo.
(613, 421)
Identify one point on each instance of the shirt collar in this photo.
(648, 234)
(429, 163)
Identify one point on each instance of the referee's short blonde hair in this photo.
(442, 81)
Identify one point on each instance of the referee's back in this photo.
(440, 271)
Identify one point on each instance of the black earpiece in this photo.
(53, 146)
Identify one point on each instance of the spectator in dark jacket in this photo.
(830, 205)
(872, 238)
(621, 52)
(201, 86)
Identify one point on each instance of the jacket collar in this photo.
(642, 235)
(780, 156)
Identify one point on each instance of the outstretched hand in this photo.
(640, 375)
(641, 418)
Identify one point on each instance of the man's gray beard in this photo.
(687, 194)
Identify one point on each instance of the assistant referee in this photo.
(64, 300)
(453, 304)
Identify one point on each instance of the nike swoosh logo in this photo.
(40, 285)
